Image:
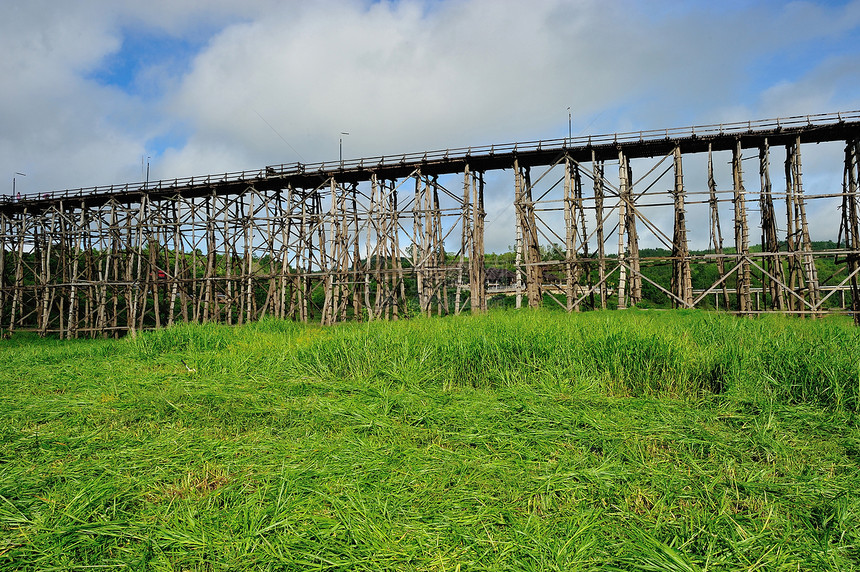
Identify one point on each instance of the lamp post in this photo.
(14, 182)
(341, 145)
(569, 130)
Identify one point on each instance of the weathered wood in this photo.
(682, 282)
(233, 251)
(770, 238)
(716, 236)
(570, 222)
(597, 176)
(741, 232)
(477, 271)
(850, 224)
(800, 224)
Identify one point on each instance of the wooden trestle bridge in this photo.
(377, 238)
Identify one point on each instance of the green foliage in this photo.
(516, 440)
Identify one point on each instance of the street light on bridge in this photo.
(14, 182)
(341, 145)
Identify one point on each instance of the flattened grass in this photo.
(513, 441)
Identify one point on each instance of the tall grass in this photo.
(679, 355)
(515, 440)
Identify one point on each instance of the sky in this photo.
(93, 90)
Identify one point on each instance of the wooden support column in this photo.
(770, 239)
(529, 246)
(477, 271)
(209, 297)
(741, 231)
(226, 293)
(78, 234)
(178, 256)
(354, 261)
(570, 222)
(628, 252)
(597, 176)
(6, 246)
(246, 309)
(682, 282)
(141, 279)
(716, 235)
(622, 227)
(18, 288)
(466, 225)
(807, 260)
(575, 234)
(49, 220)
(338, 271)
(584, 267)
(519, 242)
(851, 221)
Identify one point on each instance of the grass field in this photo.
(512, 441)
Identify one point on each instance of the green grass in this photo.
(512, 441)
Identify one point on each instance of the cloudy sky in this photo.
(92, 87)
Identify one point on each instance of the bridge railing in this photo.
(454, 154)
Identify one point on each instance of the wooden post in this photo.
(477, 272)
(597, 176)
(570, 223)
(741, 231)
(716, 235)
(19, 270)
(800, 224)
(770, 239)
(622, 227)
(6, 245)
(628, 254)
(851, 221)
(519, 245)
(585, 268)
(682, 282)
(529, 237)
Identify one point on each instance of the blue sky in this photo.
(94, 85)
(141, 50)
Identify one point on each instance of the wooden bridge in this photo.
(383, 237)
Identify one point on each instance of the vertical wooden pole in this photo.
(622, 227)
(851, 221)
(19, 269)
(529, 238)
(791, 233)
(466, 225)
(716, 235)
(355, 262)
(585, 268)
(570, 222)
(78, 233)
(47, 252)
(477, 275)
(396, 258)
(808, 261)
(632, 238)
(741, 231)
(597, 176)
(5, 239)
(770, 239)
(418, 242)
(519, 246)
(682, 282)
